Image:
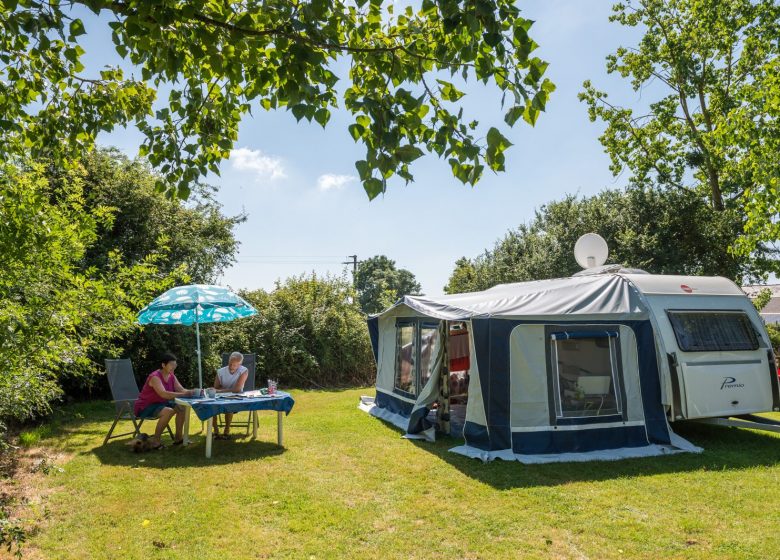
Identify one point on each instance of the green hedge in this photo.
(308, 332)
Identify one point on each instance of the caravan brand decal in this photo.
(685, 288)
(730, 383)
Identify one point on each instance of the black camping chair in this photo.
(250, 364)
(124, 392)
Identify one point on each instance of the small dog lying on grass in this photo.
(142, 443)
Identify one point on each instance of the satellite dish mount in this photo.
(591, 251)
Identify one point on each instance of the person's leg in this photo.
(180, 411)
(166, 414)
(215, 425)
(228, 420)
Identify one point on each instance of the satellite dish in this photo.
(591, 250)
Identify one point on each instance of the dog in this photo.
(142, 443)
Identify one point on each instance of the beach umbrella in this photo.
(195, 304)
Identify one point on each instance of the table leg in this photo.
(209, 433)
(186, 435)
(279, 418)
(254, 424)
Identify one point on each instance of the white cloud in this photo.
(330, 181)
(255, 161)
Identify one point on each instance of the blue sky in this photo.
(307, 212)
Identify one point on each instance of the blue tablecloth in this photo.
(206, 408)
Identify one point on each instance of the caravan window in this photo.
(429, 347)
(405, 354)
(585, 376)
(703, 331)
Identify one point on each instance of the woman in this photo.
(156, 400)
(230, 379)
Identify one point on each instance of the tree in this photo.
(662, 232)
(196, 239)
(53, 312)
(83, 251)
(711, 70)
(379, 284)
(219, 61)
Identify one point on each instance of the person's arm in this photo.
(180, 391)
(239, 386)
(178, 386)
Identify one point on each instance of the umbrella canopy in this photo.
(195, 304)
(198, 303)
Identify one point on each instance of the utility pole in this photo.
(353, 262)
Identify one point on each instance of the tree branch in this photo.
(642, 146)
(121, 8)
(712, 175)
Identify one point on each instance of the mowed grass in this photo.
(346, 485)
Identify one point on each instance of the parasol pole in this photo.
(197, 334)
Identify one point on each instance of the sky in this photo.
(307, 212)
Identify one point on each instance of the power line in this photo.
(298, 260)
(287, 262)
(292, 256)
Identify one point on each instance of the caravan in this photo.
(596, 366)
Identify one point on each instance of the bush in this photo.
(774, 336)
(308, 332)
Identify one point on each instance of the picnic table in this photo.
(206, 408)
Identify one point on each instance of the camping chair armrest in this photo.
(131, 401)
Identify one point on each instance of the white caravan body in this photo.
(699, 381)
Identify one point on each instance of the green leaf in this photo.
(356, 131)
(76, 28)
(492, 39)
(530, 115)
(364, 172)
(514, 114)
(373, 187)
(448, 91)
(408, 153)
(496, 140)
(299, 111)
(322, 116)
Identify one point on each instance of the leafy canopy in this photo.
(709, 75)
(218, 61)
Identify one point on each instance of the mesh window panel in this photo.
(585, 369)
(405, 357)
(713, 331)
(429, 348)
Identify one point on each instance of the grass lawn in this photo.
(346, 486)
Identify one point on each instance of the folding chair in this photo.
(124, 392)
(249, 363)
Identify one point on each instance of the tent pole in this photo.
(197, 334)
(443, 414)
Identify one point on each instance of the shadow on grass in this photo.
(724, 449)
(222, 452)
(88, 422)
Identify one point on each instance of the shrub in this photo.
(308, 332)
